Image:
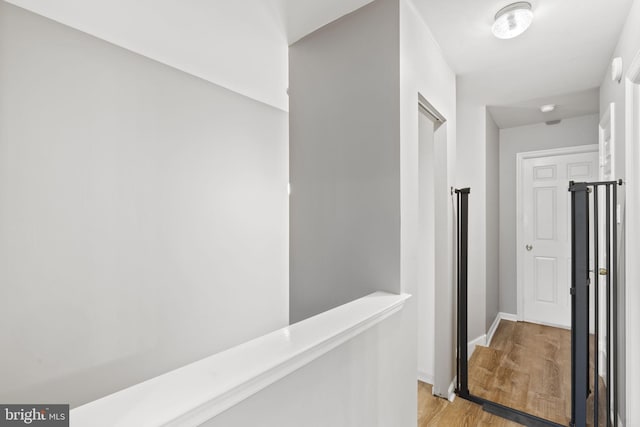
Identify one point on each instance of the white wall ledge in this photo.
(197, 392)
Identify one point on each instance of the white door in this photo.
(546, 234)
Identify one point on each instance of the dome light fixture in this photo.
(512, 20)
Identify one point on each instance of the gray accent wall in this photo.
(346, 183)
(570, 132)
(143, 215)
(355, 173)
(345, 160)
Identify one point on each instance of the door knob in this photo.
(603, 272)
(529, 247)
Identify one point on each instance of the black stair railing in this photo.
(585, 198)
(462, 364)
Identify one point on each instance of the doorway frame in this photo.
(520, 158)
(444, 299)
(632, 238)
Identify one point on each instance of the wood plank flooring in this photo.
(434, 411)
(527, 367)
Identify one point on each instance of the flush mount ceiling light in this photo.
(512, 20)
(548, 108)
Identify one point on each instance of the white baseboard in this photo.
(471, 346)
(494, 326)
(508, 316)
(493, 329)
(553, 325)
(486, 339)
(452, 390)
(425, 378)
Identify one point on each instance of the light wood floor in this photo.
(527, 367)
(434, 411)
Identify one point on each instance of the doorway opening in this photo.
(434, 292)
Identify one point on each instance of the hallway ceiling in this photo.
(238, 44)
(567, 48)
(305, 16)
(528, 112)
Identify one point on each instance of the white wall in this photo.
(240, 45)
(345, 168)
(493, 220)
(570, 132)
(143, 215)
(627, 48)
(423, 70)
(355, 384)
